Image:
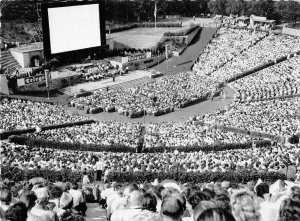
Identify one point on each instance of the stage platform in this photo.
(134, 77)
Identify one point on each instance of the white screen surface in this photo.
(74, 27)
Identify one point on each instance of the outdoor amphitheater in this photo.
(196, 119)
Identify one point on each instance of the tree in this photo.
(162, 7)
(217, 7)
(140, 9)
(235, 7)
(292, 12)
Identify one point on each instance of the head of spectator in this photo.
(42, 196)
(29, 198)
(5, 198)
(149, 201)
(16, 212)
(135, 199)
(295, 193)
(195, 197)
(172, 208)
(289, 210)
(74, 186)
(202, 206)
(262, 189)
(223, 201)
(245, 206)
(215, 214)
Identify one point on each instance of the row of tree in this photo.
(288, 11)
(123, 11)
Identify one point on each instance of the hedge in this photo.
(181, 33)
(195, 177)
(32, 142)
(16, 174)
(207, 148)
(6, 134)
(120, 28)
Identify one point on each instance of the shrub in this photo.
(195, 177)
(32, 142)
(207, 148)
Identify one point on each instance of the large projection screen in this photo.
(74, 28)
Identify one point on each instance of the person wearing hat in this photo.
(40, 208)
(28, 197)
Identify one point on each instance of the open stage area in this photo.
(148, 37)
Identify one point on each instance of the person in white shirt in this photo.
(78, 200)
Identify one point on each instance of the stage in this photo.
(134, 77)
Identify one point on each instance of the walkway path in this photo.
(184, 62)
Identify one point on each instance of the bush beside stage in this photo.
(244, 176)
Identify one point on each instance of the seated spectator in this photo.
(16, 212)
(245, 206)
(149, 212)
(134, 209)
(78, 201)
(214, 214)
(289, 210)
(172, 209)
(5, 199)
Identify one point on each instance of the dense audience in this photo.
(278, 80)
(100, 71)
(105, 133)
(169, 91)
(227, 44)
(277, 117)
(157, 201)
(175, 134)
(269, 158)
(20, 114)
(267, 50)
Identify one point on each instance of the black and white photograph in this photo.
(149, 110)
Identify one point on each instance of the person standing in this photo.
(99, 169)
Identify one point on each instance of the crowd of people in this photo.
(279, 80)
(156, 201)
(277, 117)
(269, 49)
(42, 201)
(268, 158)
(104, 133)
(21, 114)
(152, 96)
(227, 44)
(100, 71)
(176, 134)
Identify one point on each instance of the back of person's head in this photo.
(262, 189)
(5, 196)
(295, 193)
(202, 206)
(196, 197)
(29, 198)
(245, 206)
(172, 208)
(17, 212)
(74, 186)
(209, 192)
(215, 214)
(168, 192)
(135, 198)
(130, 188)
(157, 191)
(149, 202)
(223, 201)
(289, 210)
